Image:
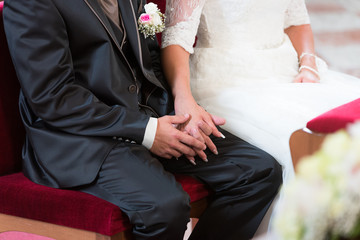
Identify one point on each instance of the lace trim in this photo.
(182, 22)
(179, 35)
(296, 14)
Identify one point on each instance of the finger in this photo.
(210, 144)
(311, 80)
(191, 160)
(297, 80)
(206, 129)
(184, 149)
(196, 134)
(202, 155)
(191, 141)
(170, 152)
(218, 121)
(214, 129)
(166, 156)
(179, 119)
(176, 154)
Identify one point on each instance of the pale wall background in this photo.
(336, 27)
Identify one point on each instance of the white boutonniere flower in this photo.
(152, 21)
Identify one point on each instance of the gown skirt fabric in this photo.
(260, 103)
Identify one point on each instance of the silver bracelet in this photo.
(309, 68)
(306, 54)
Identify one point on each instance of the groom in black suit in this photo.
(96, 107)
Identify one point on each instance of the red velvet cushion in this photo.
(21, 197)
(11, 130)
(194, 188)
(336, 118)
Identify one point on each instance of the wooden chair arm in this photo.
(304, 142)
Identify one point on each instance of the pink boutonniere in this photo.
(152, 21)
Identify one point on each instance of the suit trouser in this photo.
(243, 178)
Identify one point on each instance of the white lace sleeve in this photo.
(182, 22)
(296, 14)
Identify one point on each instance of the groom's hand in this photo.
(170, 142)
(201, 124)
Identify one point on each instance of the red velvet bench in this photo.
(59, 214)
(306, 141)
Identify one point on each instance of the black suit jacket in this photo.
(77, 85)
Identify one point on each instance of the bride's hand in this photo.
(306, 76)
(201, 123)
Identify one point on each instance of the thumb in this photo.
(179, 119)
(218, 120)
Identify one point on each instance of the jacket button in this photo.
(132, 89)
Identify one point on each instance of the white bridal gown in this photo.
(243, 66)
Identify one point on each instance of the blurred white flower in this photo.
(156, 19)
(151, 8)
(322, 202)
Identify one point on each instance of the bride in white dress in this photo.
(253, 65)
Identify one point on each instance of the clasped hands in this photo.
(187, 133)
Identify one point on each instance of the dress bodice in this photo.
(231, 23)
(250, 23)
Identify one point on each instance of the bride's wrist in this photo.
(307, 61)
(184, 99)
(311, 62)
(307, 55)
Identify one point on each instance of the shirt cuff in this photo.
(150, 132)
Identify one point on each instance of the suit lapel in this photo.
(137, 42)
(99, 13)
